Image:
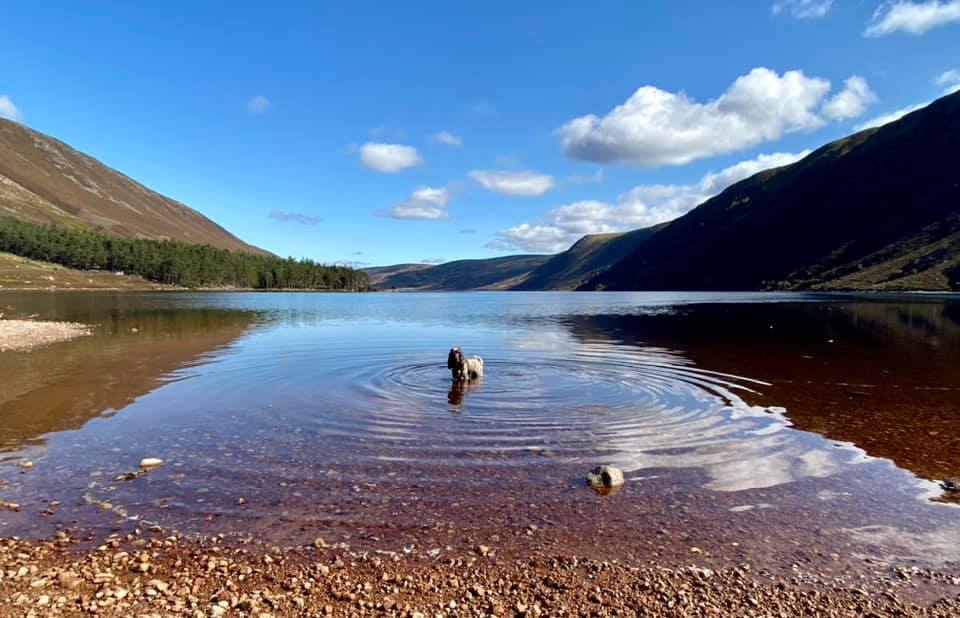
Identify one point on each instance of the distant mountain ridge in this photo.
(563, 271)
(43, 180)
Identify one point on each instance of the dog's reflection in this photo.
(459, 390)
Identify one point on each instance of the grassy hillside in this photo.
(493, 274)
(876, 210)
(20, 273)
(43, 180)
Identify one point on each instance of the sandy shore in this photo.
(155, 575)
(20, 335)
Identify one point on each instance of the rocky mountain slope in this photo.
(877, 210)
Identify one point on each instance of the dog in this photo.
(462, 368)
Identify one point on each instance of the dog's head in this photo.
(455, 358)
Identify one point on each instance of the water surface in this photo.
(778, 427)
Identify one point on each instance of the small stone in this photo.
(241, 501)
(150, 462)
(696, 550)
(483, 550)
(26, 464)
(606, 477)
(319, 543)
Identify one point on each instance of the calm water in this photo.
(766, 426)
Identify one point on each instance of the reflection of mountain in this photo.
(884, 376)
(64, 386)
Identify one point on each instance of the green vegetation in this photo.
(171, 262)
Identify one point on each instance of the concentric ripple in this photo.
(293, 422)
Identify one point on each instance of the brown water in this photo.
(776, 428)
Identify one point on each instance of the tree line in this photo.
(170, 261)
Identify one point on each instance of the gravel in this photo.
(23, 335)
(152, 575)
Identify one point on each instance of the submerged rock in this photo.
(605, 478)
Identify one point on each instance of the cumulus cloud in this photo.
(950, 80)
(850, 102)
(295, 217)
(655, 127)
(389, 158)
(258, 104)
(446, 138)
(883, 119)
(425, 203)
(912, 17)
(8, 110)
(525, 183)
(802, 9)
(642, 206)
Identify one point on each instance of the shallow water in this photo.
(760, 426)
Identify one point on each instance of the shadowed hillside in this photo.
(875, 210)
(43, 180)
(587, 257)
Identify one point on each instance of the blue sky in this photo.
(381, 133)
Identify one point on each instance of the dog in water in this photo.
(462, 368)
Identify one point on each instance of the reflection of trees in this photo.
(882, 375)
(63, 386)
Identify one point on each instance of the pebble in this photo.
(605, 476)
(150, 462)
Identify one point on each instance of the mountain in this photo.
(43, 180)
(563, 271)
(586, 258)
(879, 209)
(501, 273)
(380, 274)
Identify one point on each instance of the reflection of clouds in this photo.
(739, 447)
(898, 545)
(557, 341)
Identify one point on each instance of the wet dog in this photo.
(462, 368)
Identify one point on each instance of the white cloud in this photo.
(950, 80)
(802, 9)
(433, 261)
(8, 110)
(425, 203)
(296, 217)
(883, 119)
(585, 179)
(642, 206)
(389, 158)
(483, 108)
(258, 104)
(447, 138)
(912, 17)
(850, 102)
(524, 183)
(655, 127)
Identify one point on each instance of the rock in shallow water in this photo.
(150, 462)
(605, 477)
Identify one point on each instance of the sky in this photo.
(379, 133)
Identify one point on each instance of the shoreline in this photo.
(27, 335)
(148, 573)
